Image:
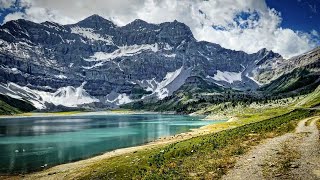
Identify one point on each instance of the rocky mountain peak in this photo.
(139, 25)
(265, 54)
(175, 32)
(96, 22)
(264, 51)
(139, 22)
(137, 61)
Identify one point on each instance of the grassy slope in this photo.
(311, 100)
(260, 111)
(6, 109)
(10, 105)
(208, 156)
(254, 112)
(300, 80)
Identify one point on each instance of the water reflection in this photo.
(34, 143)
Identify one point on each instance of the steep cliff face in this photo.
(115, 65)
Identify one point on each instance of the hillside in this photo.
(9, 106)
(97, 64)
(312, 100)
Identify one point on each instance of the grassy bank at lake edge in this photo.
(207, 156)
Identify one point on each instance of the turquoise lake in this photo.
(34, 143)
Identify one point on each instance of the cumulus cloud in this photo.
(314, 32)
(247, 25)
(4, 4)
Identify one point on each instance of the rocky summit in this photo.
(95, 63)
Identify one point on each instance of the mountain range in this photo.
(97, 64)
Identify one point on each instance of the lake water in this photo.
(33, 143)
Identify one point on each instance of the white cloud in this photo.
(4, 4)
(256, 25)
(314, 33)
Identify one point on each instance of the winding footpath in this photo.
(290, 156)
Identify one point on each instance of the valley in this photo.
(95, 64)
(178, 108)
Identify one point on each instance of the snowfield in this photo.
(89, 34)
(66, 96)
(123, 51)
(227, 76)
(118, 99)
(170, 83)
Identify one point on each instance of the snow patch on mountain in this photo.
(60, 76)
(68, 96)
(170, 83)
(227, 76)
(149, 85)
(18, 92)
(65, 96)
(88, 33)
(161, 89)
(54, 26)
(167, 47)
(123, 51)
(11, 70)
(170, 55)
(118, 99)
(70, 41)
(93, 66)
(19, 49)
(252, 78)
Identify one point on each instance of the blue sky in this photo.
(289, 27)
(302, 15)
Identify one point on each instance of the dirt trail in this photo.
(309, 163)
(290, 156)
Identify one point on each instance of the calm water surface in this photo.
(34, 143)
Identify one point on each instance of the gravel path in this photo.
(290, 156)
(309, 163)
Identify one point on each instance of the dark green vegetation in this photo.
(139, 92)
(208, 156)
(197, 94)
(188, 98)
(299, 81)
(10, 105)
(312, 100)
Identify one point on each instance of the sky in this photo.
(288, 27)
